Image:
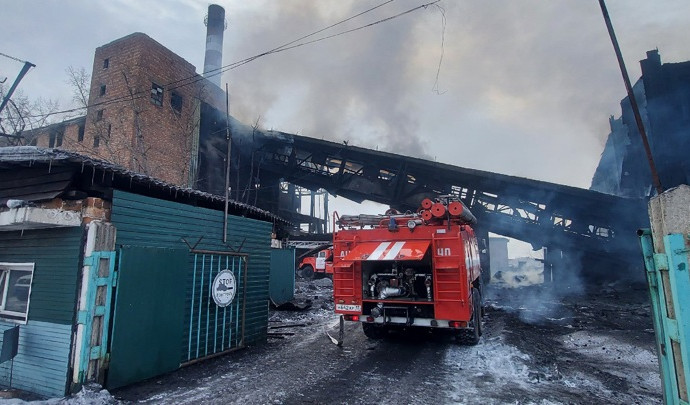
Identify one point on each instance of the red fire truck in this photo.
(413, 270)
(319, 265)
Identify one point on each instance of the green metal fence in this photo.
(212, 328)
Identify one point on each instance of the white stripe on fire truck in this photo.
(393, 253)
(378, 251)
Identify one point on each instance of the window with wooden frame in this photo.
(15, 290)
(156, 94)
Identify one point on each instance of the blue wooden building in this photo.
(116, 277)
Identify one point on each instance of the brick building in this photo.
(151, 113)
(144, 111)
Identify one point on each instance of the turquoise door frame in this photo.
(95, 318)
(669, 287)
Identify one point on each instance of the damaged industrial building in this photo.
(126, 203)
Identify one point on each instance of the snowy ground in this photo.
(537, 348)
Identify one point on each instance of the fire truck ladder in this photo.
(344, 278)
(447, 281)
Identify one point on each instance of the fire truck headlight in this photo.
(411, 224)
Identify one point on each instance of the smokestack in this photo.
(215, 25)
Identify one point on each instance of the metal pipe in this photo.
(392, 292)
(228, 138)
(631, 96)
(213, 59)
(427, 283)
(20, 76)
(244, 297)
(217, 252)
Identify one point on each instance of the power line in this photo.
(317, 32)
(285, 47)
(196, 78)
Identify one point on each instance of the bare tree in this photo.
(21, 117)
(80, 81)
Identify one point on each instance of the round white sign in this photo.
(223, 290)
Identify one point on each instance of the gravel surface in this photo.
(539, 347)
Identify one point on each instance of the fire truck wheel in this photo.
(308, 272)
(376, 332)
(470, 337)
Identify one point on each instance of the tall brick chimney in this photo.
(215, 25)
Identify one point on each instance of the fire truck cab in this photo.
(413, 270)
(317, 266)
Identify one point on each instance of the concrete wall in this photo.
(498, 250)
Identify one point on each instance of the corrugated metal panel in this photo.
(51, 160)
(34, 183)
(56, 253)
(144, 221)
(148, 314)
(42, 358)
(282, 282)
(44, 342)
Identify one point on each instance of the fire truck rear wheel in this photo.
(372, 331)
(471, 337)
(308, 272)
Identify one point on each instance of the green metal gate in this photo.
(149, 314)
(213, 329)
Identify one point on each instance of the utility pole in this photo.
(633, 101)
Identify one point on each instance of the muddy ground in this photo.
(590, 346)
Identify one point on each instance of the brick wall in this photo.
(124, 123)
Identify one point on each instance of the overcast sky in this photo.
(525, 86)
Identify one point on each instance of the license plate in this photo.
(346, 307)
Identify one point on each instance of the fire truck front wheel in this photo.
(373, 331)
(308, 272)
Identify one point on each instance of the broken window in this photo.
(102, 90)
(80, 133)
(156, 94)
(99, 115)
(55, 138)
(106, 63)
(176, 102)
(15, 290)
